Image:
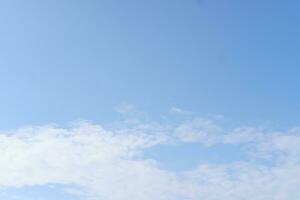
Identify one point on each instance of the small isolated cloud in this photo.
(125, 108)
(108, 163)
(199, 130)
(129, 111)
(176, 110)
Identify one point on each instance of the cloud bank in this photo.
(107, 163)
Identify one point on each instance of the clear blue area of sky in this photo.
(66, 60)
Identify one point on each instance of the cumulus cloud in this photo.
(106, 162)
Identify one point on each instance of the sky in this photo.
(197, 99)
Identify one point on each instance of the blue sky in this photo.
(62, 61)
(189, 69)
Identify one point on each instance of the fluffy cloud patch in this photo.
(108, 163)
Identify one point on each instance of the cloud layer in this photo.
(108, 163)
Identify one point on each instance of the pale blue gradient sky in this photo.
(62, 61)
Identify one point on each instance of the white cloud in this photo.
(199, 130)
(124, 108)
(180, 111)
(107, 163)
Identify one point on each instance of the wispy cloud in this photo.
(180, 111)
(107, 163)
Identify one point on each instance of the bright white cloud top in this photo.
(108, 163)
